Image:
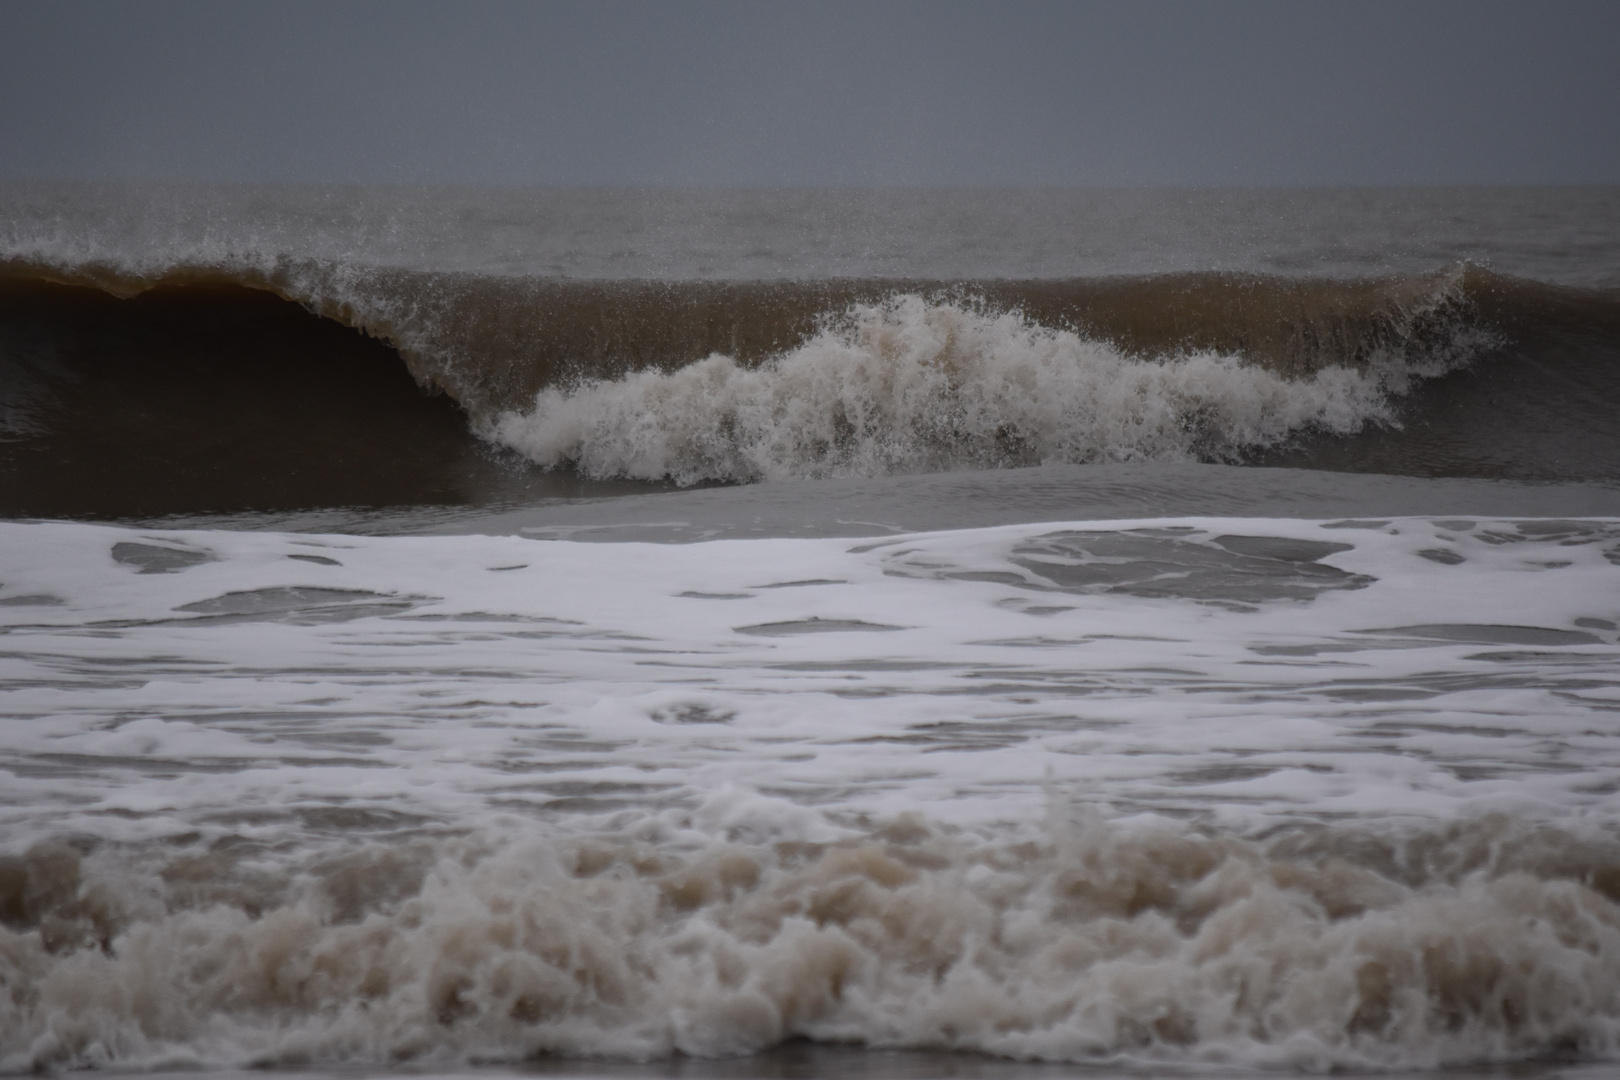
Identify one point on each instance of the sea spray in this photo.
(915, 385)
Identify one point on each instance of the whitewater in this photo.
(916, 386)
(1267, 792)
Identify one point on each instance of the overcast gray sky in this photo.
(832, 93)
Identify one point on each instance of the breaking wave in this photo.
(493, 342)
(1461, 372)
(913, 385)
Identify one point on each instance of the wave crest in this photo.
(913, 384)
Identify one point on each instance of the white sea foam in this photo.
(918, 385)
(1243, 791)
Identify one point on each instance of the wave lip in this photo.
(492, 342)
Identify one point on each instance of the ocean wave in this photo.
(493, 342)
(712, 380)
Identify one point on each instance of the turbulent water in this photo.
(1122, 628)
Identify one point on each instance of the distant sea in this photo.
(799, 633)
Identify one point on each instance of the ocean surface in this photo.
(992, 634)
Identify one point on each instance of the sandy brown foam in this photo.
(1486, 941)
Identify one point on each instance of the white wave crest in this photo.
(918, 385)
